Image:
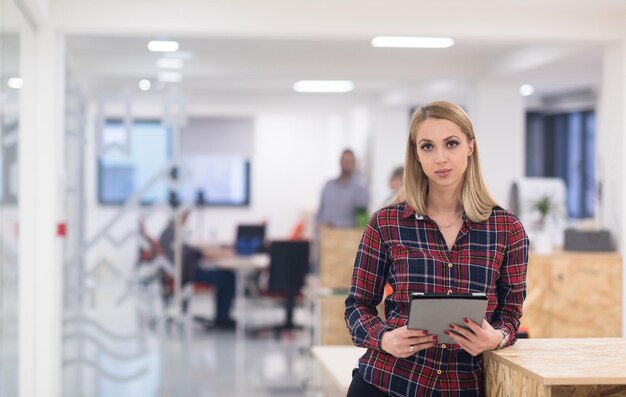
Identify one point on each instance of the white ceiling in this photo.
(271, 66)
(258, 49)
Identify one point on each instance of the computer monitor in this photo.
(249, 239)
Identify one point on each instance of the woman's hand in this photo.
(477, 339)
(403, 342)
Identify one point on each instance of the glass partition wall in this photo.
(10, 85)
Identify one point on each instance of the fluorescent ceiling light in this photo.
(15, 83)
(330, 86)
(144, 84)
(170, 63)
(526, 89)
(163, 46)
(170, 77)
(412, 42)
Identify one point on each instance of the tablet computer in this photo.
(435, 312)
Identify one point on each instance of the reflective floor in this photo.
(121, 350)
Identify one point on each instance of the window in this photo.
(131, 160)
(563, 145)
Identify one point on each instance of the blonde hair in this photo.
(475, 198)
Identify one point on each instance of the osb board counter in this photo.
(574, 295)
(558, 367)
(338, 248)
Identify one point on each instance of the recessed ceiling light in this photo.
(144, 84)
(412, 42)
(170, 63)
(526, 89)
(15, 83)
(170, 77)
(163, 46)
(328, 86)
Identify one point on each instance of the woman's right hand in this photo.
(403, 342)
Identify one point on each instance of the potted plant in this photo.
(545, 207)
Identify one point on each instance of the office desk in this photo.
(530, 368)
(241, 265)
(557, 367)
(339, 361)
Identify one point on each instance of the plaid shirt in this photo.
(408, 251)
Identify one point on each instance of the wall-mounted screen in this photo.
(220, 180)
(130, 160)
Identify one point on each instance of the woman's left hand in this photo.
(477, 339)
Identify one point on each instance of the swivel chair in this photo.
(289, 264)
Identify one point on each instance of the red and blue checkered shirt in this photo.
(408, 251)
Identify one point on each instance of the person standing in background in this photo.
(395, 180)
(342, 197)
(395, 183)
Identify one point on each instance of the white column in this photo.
(41, 200)
(611, 147)
(497, 113)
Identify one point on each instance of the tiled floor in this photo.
(8, 338)
(143, 360)
(217, 365)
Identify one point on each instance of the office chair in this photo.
(289, 264)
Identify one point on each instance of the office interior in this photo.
(93, 123)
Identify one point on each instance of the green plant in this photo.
(545, 206)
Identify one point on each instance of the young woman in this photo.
(444, 234)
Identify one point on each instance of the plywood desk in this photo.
(557, 367)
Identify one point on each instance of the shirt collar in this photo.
(407, 211)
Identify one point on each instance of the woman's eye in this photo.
(452, 144)
(426, 146)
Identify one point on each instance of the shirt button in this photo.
(443, 345)
(449, 291)
(438, 372)
(449, 264)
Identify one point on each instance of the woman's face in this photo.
(443, 150)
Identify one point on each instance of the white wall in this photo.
(293, 157)
(497, 112)
(390, 129)
(611, 128)
(611, 125)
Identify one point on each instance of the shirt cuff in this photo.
(376, 336)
